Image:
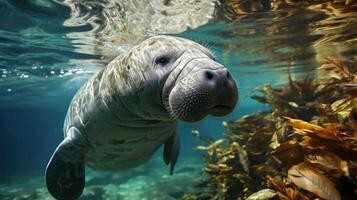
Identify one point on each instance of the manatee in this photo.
(126, 111)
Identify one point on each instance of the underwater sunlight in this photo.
(239, 99)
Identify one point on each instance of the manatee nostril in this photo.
(229, 76)
(209, 75)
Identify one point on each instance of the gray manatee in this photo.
(126, 111)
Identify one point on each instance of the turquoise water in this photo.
(47, 51)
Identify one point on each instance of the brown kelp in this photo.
(241, 8)
(304, 148)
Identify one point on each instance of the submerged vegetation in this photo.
(304, 148)
(240, 8)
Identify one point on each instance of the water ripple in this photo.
(46, 46)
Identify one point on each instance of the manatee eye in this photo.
(162, 60)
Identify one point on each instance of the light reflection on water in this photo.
(46, 44)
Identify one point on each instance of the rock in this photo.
(264, 194)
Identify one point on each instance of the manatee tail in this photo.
(65, 171)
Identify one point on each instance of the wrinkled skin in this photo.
(193, 84)
(199, 86)
(125, 112)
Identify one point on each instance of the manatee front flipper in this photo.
(172, 150)
(65, 171)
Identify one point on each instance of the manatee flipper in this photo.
(172, 150)
(65, 171)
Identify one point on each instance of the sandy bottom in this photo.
(150, 181)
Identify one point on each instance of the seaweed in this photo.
(305, 147)
(240, 8)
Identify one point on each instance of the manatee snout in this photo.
(224, 91)
(207, 88)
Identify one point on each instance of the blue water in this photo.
(44, 61)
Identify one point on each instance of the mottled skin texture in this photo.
(125, 112)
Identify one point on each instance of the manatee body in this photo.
(125, 112)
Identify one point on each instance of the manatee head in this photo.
(197, 85)
(179, 77)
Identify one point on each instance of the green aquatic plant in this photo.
(305, 147)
